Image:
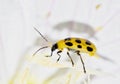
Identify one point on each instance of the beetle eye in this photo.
(55, 46)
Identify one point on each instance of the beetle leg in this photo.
(59, 55)
(78, 53)
(70, 58)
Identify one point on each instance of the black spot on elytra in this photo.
(90, 49)
(78, 41)
(67, 39)
(68, 43)
(79, 46)
(88, 42)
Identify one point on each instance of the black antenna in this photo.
(41, 35)
(40, 49)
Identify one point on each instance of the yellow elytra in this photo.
(76, 44)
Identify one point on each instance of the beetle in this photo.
(77, 45)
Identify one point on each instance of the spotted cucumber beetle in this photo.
(77, 45)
